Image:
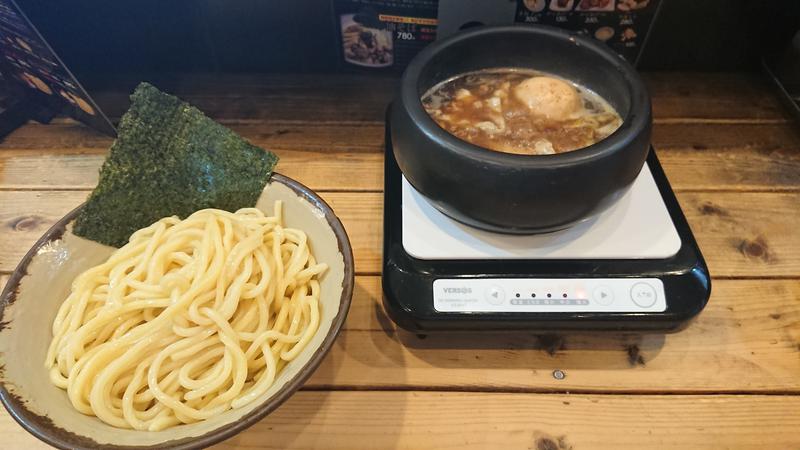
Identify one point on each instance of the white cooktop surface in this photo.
(637, 226)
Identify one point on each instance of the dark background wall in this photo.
(100, 39)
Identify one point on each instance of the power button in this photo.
(643, 295)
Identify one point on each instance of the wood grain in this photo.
(348, 98)
(67, 134)
(742, 157)
(26, 215)
(729, 151)
(740, 234)
(326, 170)
(67, 155)
(746, 234)
(424, 420)
(301, 98)
(439, 420)
(749, 327)
(733, 336)
(717, 97)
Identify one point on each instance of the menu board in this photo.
(622, 24)
(457, 15)
(29, 60)
(384, 34)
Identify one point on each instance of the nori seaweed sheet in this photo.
(170, 159)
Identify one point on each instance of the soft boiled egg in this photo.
(548, 97)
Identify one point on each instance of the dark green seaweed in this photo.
(170, 159)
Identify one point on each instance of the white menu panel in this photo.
(548, 295)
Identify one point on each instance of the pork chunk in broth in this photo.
(520, 111)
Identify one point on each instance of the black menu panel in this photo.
(622, 24)
(28, 60)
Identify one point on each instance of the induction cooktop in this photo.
(635, 266)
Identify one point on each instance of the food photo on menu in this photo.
(399, 224)
(623, 25)
(382, 36)
(365, 45)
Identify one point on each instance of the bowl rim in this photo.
(44, 429)
(635, 121)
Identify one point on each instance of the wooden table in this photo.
(731, 380)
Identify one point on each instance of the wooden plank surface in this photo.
(68, 156)
(742, 157)
(734, 335)
(729, 151)
(455, 420)
(562, 422)
(327, 170)
(298, 98)
(746, 234)
(740, 234)
(749, 327)
(26, 215)
(677, 96)
(717, 97)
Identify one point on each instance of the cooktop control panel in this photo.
(543, 295)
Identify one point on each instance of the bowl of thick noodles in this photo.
(190, 333)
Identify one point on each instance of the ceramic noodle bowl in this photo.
(42, 282)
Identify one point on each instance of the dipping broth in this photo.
(520, 111)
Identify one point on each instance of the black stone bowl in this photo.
(510, 193)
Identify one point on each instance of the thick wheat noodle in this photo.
(189, 319)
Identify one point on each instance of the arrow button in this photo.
(603, 295)
(495, 295)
